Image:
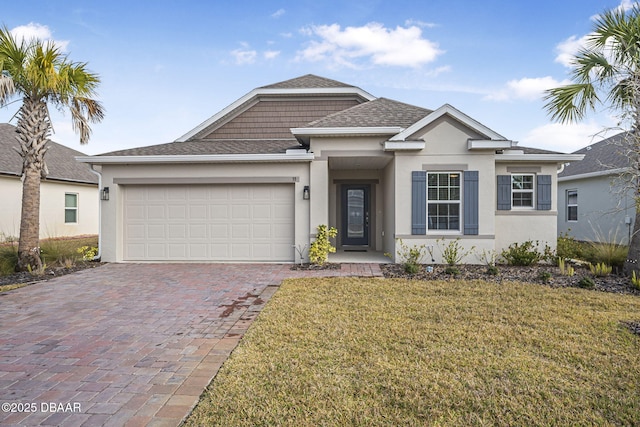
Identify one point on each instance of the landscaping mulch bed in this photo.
(532, 274)
(27, 278)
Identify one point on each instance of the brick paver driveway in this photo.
(128, 344)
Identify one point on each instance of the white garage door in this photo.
(221, 222)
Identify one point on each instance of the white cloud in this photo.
(568, 48)
(278, 13)
(402, 47)
(271, 54)
(565, 138)
(410, 22)
(37, 31)
(244, 56)
(529, 89)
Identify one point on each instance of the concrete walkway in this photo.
(129, 344)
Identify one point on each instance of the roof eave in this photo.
(595, 174)
(545, 158)
(204, 158)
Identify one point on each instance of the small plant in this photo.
(488, 258)
(322, 247)
(453, 252)
(452, 270)
(88, 252)
(600, 269)
(607, 249)
(69, 262)
(39, 271)
(635, 281)
(566, 269)
(524, 254)
(569, 248)
(545, 277)
(301, 249)
(586, 283)
(411, 257)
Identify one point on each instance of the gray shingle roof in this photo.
(60, 160)
(308, 81)
(376, 113)
(602, 156)
(209, 147)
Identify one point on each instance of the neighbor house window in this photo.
(443, 200)
(522, 190)
(572, 205)
(70, 208)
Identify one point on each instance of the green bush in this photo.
(453, 252)
(586, 283)
(545, 277)
(568, 247)
(8, 259)
(411, 257)
(607, 249)
(321, 247)
(523, 254)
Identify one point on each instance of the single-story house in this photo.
(257, 178)
(68, 195)
(595, 202)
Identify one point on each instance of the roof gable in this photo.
(305, 86)
(458, 115)
(60, 159)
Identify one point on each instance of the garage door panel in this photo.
(209, 222)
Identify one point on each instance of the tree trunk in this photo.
(29, 244)
(32, 132)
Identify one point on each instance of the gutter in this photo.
(205, 158)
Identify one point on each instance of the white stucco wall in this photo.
(52, 197)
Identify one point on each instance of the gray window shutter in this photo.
(418, 202)
(543, 190)
(504, 192)
(471, 202)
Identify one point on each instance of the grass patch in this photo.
(366, 352)
(58, 252)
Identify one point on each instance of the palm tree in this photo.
(39, 74)
(606, 72)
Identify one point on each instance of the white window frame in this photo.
(448, 202)
(515, 191)
(572, 205)
(71, 208)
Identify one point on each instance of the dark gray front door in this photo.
(355, 215)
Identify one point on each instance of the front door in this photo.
(355, 215)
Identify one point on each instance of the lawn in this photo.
(369, 352)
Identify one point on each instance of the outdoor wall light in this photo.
(104, 193)
(305, 193)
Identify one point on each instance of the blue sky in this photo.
(166, 66)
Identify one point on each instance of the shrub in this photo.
(545, 277)
(586, 283)
(524, 254)
(565, 269)
(600, 269)
(88, 253)
(452, 270)
(607, 249)
(411, 256)
(568, 247)
(8, 259)
(453, 252)
(488, 258)
(492, 270)
(321, 247)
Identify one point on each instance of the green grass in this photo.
(57, 252)
(374, 352)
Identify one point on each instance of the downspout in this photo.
(99, 254)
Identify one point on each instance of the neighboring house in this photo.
(258, 177)
(594, 204)
(68, 195)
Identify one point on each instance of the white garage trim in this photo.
(209, 222)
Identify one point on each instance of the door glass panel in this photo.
(355, 213)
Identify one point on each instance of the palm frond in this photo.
(570, 103)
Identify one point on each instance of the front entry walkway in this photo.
(129, 344)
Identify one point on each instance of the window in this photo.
(572, 205)
(70, 208)
(443, 201)
(522, 191)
